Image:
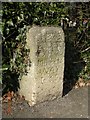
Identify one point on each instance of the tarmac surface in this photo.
(73, 105)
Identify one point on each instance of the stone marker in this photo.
(44, 80)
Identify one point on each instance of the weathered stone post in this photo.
(44, 80)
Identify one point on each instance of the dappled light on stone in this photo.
(44, 80)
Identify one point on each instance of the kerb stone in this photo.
(44, 80)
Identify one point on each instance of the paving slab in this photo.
(72, 105)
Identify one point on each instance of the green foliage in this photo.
(18, 16)
(83, 41)
(14, 52)
(15, 19)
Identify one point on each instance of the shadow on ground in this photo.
(73, 63)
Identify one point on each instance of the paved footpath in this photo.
(73, 105)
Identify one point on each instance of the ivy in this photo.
(17, 16)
